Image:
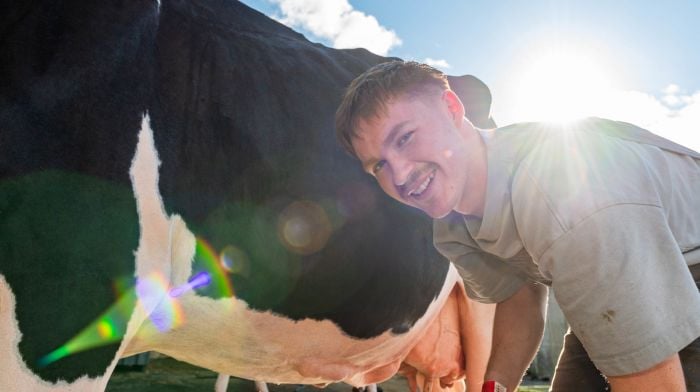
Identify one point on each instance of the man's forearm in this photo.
(517, 333)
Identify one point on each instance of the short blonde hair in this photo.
(369, 93)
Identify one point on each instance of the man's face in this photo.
(425, 154)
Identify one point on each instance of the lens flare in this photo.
(152, 293)
(164, 311)
(199, 280)
(213, 266)
(106, 329)
(234, 260)
(304, 227)
(157, 299)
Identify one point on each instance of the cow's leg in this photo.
(368, 388)
(261, 386)
(221, 382)
(223, 379)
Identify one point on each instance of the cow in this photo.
(169, 181)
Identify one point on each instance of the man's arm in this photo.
(517, 333)
(666, 376)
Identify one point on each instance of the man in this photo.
(605, 213)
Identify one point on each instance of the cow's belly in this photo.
(227, 336)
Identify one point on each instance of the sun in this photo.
(558, 86)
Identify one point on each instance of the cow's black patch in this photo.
(244, 128)
(76, 78)
(66, 239)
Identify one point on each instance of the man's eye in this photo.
(405, 138)
(378, 167)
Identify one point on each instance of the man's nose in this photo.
(401, 169)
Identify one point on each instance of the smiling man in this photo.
(605, 213)
(427, 170)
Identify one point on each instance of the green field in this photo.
(534, 388)
(163, 374)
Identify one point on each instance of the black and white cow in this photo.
(143, 144)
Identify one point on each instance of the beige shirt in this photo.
(605, 213)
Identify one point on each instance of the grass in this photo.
(534, 388)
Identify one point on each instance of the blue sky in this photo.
(636, 61)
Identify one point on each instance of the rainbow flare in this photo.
(219, 276)
(153, 292)
(155, 297)
(199, 280)
(109, 327)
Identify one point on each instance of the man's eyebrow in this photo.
(394, 130)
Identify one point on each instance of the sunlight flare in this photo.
(559, 86)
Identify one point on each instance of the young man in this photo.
(605, 213)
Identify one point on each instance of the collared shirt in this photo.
(607, 214)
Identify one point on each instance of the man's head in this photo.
(368, 95)
(406, 126)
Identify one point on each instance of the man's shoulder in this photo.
(576, 170)
(528, 136)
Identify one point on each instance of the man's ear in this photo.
(454, 106)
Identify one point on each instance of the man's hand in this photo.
(517, 333)
(664, 377)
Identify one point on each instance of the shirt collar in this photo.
(496, 231)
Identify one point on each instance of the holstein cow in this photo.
(169, 181)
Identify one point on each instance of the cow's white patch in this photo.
(153, 254)
(14, 374)
(227, 336)
(159, 236)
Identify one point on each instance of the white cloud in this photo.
(673, 96)
(671, 100)
(672, 89)
(674, 117)
(439, 63)
(339, 23)
(682, 125)
(678, 120)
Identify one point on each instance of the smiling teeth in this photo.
(423, 186)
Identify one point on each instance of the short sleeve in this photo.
(624, 287)
(487, 278)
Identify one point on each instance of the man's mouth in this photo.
(421, 187)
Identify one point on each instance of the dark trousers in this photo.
(576, 372)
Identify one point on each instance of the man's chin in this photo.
(435, 213)
(439, 215)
